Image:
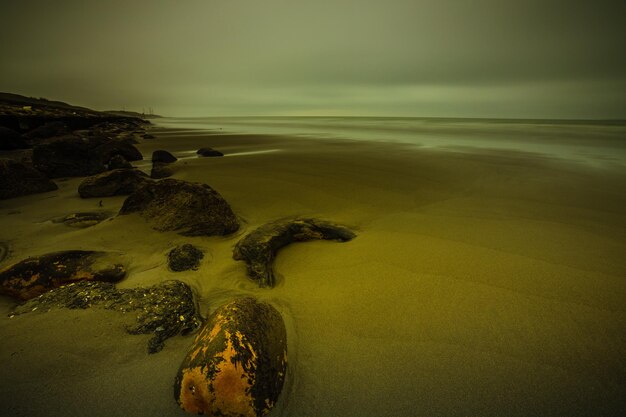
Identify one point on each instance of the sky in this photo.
(480, 58)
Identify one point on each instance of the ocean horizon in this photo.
(593, 142)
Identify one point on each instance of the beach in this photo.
(484, 280)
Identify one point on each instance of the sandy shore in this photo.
(480, 284)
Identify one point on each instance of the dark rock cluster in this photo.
(17, 179)
(164, 310)
(49, 140)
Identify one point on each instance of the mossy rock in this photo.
(237, 363)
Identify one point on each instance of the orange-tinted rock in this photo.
(237, 363)
(35, 276)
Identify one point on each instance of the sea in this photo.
(601, 143)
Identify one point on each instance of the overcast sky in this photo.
(480, 58)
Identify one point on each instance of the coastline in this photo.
(482, 283)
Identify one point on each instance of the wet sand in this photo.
(483, 283)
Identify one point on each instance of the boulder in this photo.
(184, 258)
(68, 156)
(161, 170)
(258, 249)
(10, 139)
(209, 152)
(115, 182)
(237, 364)
(48, 130)
(35, 276)
(163, 156)
(191, 209)
(17, 179)
(118, 162)
(163, 310)
(105, 149)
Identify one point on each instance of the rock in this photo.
(161, 170)
(82, 220)
(10, 139)
(4, 250)
(258, 249)
(68, 156)
(184, 258)
(237, 364)
(73, 156)
(104, 149)
(109, 183)
(164, 310)
(191, 209)
(209, 152)
(48, 130)
(34, 276)
(118, 162)
(148, 136)
(163, 156)
(17, 179)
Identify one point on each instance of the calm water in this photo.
(592, 142)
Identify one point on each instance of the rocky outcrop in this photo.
(237, 364)
(110, 183)
(68, 156)
(184, 258)
(17, 179)
(74, 156)
(10, 139)
(164, 310)
(191, 209)
(35, 276)
(48, 130)
(258, 249)
(209, 152)
(163, 156)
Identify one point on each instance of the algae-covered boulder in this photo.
(110, 183)
(237, 364)
(191, 209)
(258, 249)
(17, 179)
(34, 276)
(184, 258)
